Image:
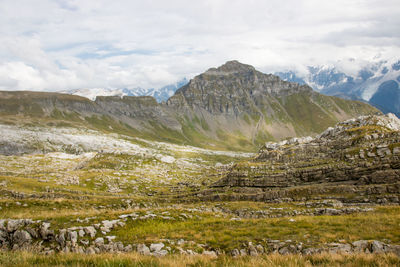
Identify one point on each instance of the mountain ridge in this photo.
(230, 107)
(368, 84)
(160, 94)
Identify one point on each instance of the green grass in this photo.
(226, 235)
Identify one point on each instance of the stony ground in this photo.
(94, 193)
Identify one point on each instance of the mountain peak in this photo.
(232, 66)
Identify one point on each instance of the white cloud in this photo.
(67, 44)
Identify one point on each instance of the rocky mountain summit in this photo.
(358, 161)
(232, 107)
(234, 88)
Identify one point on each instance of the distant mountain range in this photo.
(378, 83)
(232, 107)
(161, 94)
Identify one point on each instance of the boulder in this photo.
(395, 249)
(45, 232)
(235, 252)
(243, 252)
(339, 248)
(377, 247)
(252, 250)
(360, 246)
(13, 225)
(90, 230)
(81, 233)
(73, 236)
(143, 249)
(21, 237)
(260, 249)
(156, 247)
(60, 238)
(99, 241)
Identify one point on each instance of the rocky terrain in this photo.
(355, 161)
(233, 107)
(88, 192)
(82, 178)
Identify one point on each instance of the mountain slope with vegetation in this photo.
(233, 107)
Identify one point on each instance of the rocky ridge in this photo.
(359, 158)
(232, 107)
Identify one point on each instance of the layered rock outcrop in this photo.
(357, 157)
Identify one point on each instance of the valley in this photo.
(204, 178)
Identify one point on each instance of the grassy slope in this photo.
(319, 112)
(309, 113)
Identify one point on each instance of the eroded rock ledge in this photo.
(352, 161)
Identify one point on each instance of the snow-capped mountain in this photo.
(377, 83)
(161, 94)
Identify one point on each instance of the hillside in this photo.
(89, 177)
(84, 191)
(356, 161)
(233, 107)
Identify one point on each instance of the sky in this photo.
(55, 45)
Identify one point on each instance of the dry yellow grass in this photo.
(133, 259)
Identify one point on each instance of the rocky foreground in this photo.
(40, 237)
(337, 192)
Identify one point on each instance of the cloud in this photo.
(67, 44)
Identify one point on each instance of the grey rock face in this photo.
(231, 89)
(22, 237)
(13, 225)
